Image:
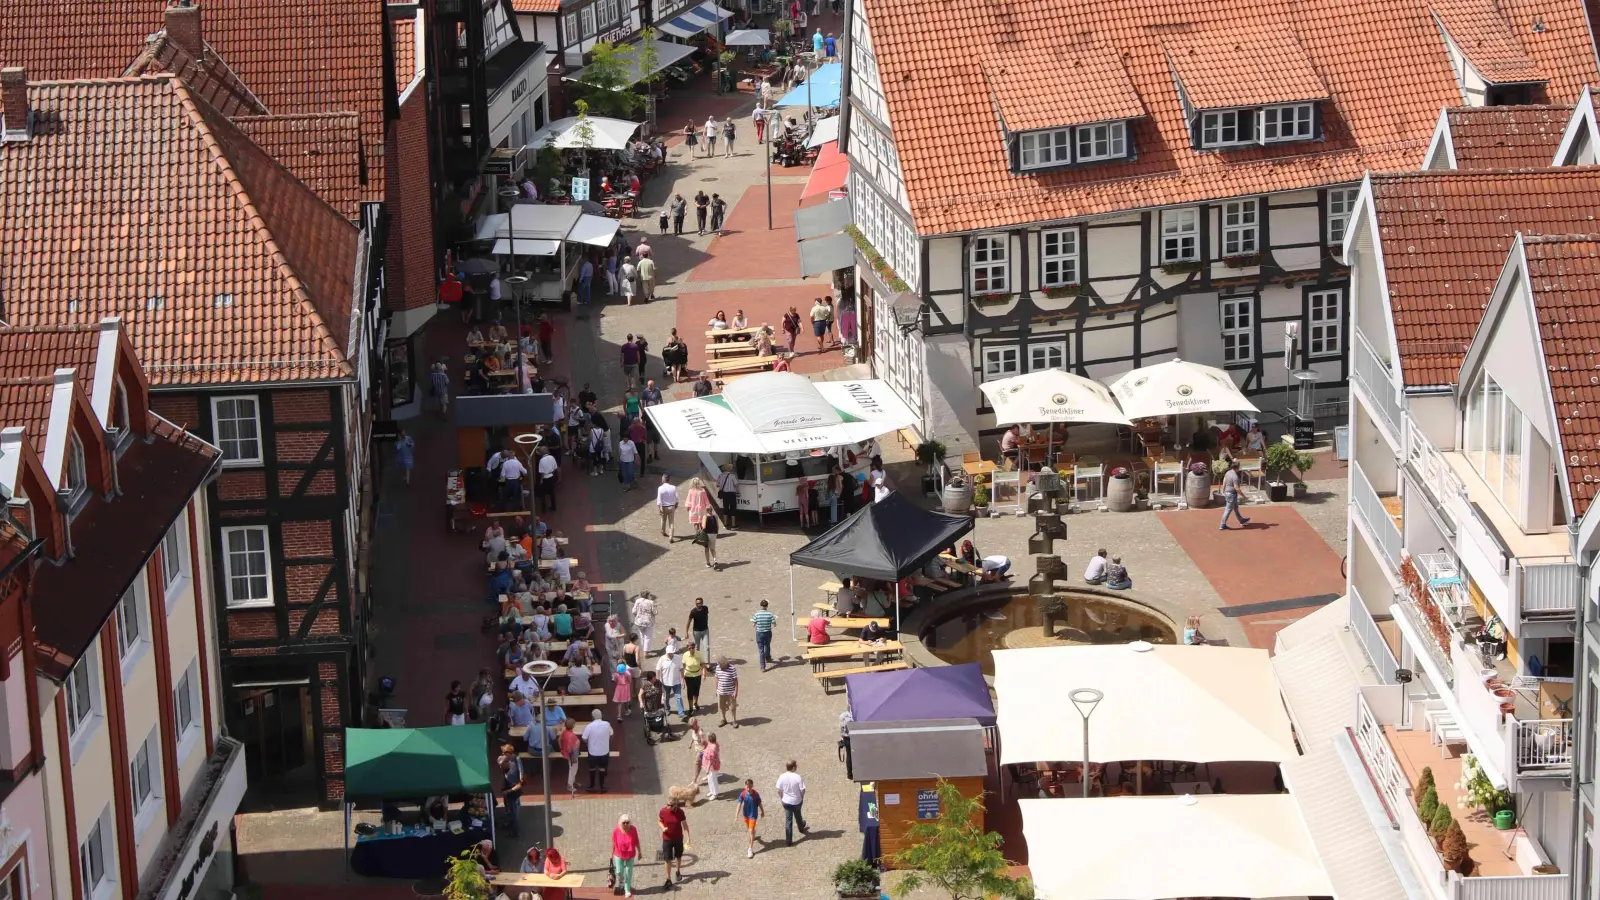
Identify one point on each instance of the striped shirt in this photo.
(764, 621)
(727, 679)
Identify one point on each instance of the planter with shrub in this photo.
(1281, 459)
(856, 878)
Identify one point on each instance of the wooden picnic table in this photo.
(733, 334)
(852, 622)
(726, 366)
(732, 348)
(848, 649)
(952, 563)
(520, 880)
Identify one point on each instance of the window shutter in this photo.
(1195, 124)
(1316, 122)
(1261, 125)
(1015, 152)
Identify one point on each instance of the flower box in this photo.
(1242, 261)
(1183, 268)
(1062, 291)
(993, 299)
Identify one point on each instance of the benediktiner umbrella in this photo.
(1051, 395)
(1176, 388)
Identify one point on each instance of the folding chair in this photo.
(1089, 469)
(1166, 467)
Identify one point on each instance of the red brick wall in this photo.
(242, 484)
(180, 409)
(333, 731)
(411, 210)
(299, 407)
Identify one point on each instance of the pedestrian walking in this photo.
(622, 689)
(819, 321)
(693, 671)
(627, 459)
(597, 737)
(643, 616)
(702, 204)
(719, 210)
(568, 743)
(613, 262)
(728, 494)
(511, 794)
(664, 215)
(549, 471)
(759, 118)
(585, 281)
(547, 338)
(764, 621)
(697, 742)
(1230, 496)
(647, 274)
(711, 137)
(674, 835)
(405, 449)
(792, 794)
(667, 505)
(690, 137)
(455, 704)
(699, 625)
(727, 691)
(832, 315)
(669, 669)
(830, 45)
(708, 537)
(630, 361)
(626, 273)
(711, 762)
(791, 327)
(816, 43)
(727, 138)
(439, 384)
(679, 208)
(624, 851)
(482, 696)
(750, 810)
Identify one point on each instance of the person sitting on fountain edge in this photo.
(1096, 573)
(1117, 577)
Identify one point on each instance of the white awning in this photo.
(567, 134)
(529, 247)
(1163, 701)
(1051, 395)
(596, 231)
(777, 412)
(1176, 388)
(691, 22)
(540, 220)
(667, 53)
(822, 255)
(816, 221)
(1227, 845)
(748, 37)
(825, 132)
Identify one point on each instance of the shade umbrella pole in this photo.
(897, 609)
(792, 636)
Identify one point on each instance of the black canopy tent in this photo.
(886, 540)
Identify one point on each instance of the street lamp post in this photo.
(1085, 699)
(540, 670)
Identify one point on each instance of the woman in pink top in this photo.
(817, 628)
(569, 745)
(624, 850)
(711, 762)
(622, 688)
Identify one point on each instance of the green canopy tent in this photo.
(414, 764)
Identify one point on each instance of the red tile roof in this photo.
(405, 51)
(135, 198)
(1046, 84)
(536, 6)
(1445, 238)
(1506, 137)
(323, 150)
(26, 402)
(297, 56)
(1564, 279)
(29, 357)
(1480, 29)
(1244, 64)
(1382, 61)
(209, 76)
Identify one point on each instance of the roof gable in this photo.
(207, 75)
(1044, 85)
(1564, 283)
(1480, 31)
(323, 150)
(1246, 64)
(1505, 137)
(224, 267)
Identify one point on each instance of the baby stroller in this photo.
(656, 728)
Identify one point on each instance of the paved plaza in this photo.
(429, 589)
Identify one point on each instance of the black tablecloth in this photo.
(412, 856)
(871, 849)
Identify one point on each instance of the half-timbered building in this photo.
(1105, 186)
(242, 291)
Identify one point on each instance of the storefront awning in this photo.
(596, 231)
(781, 412)
(692, 22)
(816, 221)
(826, 132)
(667, 54)
(822, 255)
(830, 172)
(526, 247)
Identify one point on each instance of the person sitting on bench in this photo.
(1096, 573)
(1117, 577)
(1191, 632)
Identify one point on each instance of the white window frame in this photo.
(77, 474)
(1241, 228)
(1238, 318)
(1324, 324)
(228, 562)
(133, 623)
(1227, 128)
(148, 775)
(586, 20)
(1180, 235)
(1300, 119)
(571, 28)
(1040, 353)
(96, 885)
(1001, 361)
(236, 456)
(1058, 257)
(175, 558)
(81, 693)
(1043, 149)
(989, 255)
(14, 881)
(1110, 137)
(1341, 203)
(186, 712)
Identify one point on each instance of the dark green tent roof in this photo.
(408, 763)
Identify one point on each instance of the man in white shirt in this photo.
(528, 686)
(561, 568)
(643, 614)
(1096, 573)
(670, 670)
(667, 503)
(792, 794)
(549, 472)
(879, 489)
(627, 455)
(511, 473)
(597, 740)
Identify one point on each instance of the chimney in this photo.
(183, 27)
(14, 117)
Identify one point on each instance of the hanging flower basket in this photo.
(992, 299)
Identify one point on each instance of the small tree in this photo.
(606, 82)
(1282, 457)
(649, 61)
(1442, 820)
(1454, 850)
(1428, 804)
(954, 854)
(465, 879)
(1425, 780)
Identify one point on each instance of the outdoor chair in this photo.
(1089, 469)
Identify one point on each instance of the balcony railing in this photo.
(1365, 630)
(1380, 759)
(1541, 745)
(1548, 589)
(1430, 467)
(1369, 506)
(1374, 377)
(1418, 620)
(1510, 887)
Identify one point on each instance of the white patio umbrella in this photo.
(1176, 388)
(748, 37)
(604, 134)
(1052, 395)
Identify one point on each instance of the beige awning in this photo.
(1215, 845)
(1195, 704)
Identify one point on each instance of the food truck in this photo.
(769, 482)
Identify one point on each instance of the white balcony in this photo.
(1375, 516)
(1511, 887)
(1541, 746)
(1365, 630)
(1376, 383)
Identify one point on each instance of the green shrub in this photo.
(1442, 820)
(1429, 804)
(1425, 781)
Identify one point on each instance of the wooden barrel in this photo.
(1119, 493)
(1197, 490)
(957, 496)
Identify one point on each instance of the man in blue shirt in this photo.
(585, 281)
(764, 621)
(816, 42)
(830, 45)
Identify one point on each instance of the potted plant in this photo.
(1428, 804)
(1477, 790)
(1440, 826)
(980, 496)
(1453, 850)
(1283, 458)
(931, 453)
(856, 878)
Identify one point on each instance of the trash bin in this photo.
(1341, 442)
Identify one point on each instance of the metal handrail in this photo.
(1365, 630)
(1370, 507)
(1373, 374)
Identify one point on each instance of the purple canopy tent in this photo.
(935, 692)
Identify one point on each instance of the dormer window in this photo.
(1242, 87)
(1287, 123)
(1265, 125)
(1070, 146)
(77, 480)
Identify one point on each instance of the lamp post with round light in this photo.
(1085, 699)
